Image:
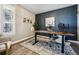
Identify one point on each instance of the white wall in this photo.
(22, 29)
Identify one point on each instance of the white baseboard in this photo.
(15, 42)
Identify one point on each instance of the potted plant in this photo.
(36, 26)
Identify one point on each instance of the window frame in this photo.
(12, 21)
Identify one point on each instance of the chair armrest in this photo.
(2, 47)
(5, 46)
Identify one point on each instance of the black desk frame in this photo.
(63, 39)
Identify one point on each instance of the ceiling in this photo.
(40, 8)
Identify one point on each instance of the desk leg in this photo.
(62, 47)
(50, 37)
(35, 39)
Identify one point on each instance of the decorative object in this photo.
(36, 26)
(32, 28)
(30, 21)
(27, 20)
(50, 21)
(49, 28)
(24, 20)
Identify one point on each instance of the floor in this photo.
(20, 50)
(75, 47)
(17, 49)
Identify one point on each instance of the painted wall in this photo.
(65, 15)
(22, 30)
(78, 22)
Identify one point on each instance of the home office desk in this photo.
(50, 33)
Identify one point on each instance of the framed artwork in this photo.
(50, 21)
(24, 20)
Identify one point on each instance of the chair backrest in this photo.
(61, 27)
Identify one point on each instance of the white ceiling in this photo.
(40, 8)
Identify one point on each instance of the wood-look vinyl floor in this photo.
(20, 50)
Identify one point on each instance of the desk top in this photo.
(51, 32)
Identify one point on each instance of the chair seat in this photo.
(59, 40)
(67, 43)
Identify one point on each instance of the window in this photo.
(8, 20)
(50, 21)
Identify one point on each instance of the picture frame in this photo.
(50, 21)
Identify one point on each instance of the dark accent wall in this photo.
(65, 15)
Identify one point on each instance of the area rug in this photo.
(43, 48)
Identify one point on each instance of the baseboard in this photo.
(21, 40)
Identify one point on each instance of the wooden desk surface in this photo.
(59, 33)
